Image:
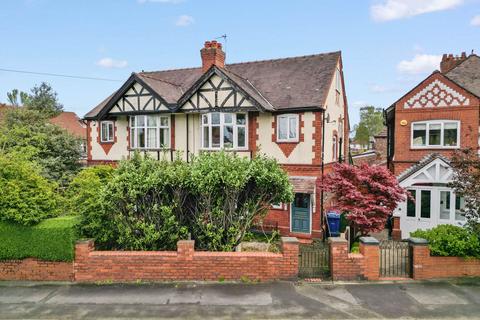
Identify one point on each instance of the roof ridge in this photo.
(287, 58)
(247, 62)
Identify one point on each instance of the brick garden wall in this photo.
(36, 270)
(354, 266)
(426, 266)
(184, 264)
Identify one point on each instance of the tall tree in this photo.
(371, 123)
(17, 98)
(29, 135)
(44, 99)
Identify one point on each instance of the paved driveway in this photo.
(281, 300)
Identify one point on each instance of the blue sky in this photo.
(388, 45)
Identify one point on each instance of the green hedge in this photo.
(450, 241)
(52, 239)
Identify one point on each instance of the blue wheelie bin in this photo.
(333, 219)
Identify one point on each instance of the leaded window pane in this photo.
(419, 134)
(216, 137)
(283, 128)
(241, 119)
(215, 118)
(151, 138)
(228, 137)
(292, 134)
(241, 137)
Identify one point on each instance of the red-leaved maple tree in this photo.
(367, 194)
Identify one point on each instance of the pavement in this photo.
(279, 300)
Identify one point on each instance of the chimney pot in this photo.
(450, 61)
(212, 54)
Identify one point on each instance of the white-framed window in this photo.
(107, 131)
(287, 128)
(222, 130)
(338, 80)
(334, 148)
(436, 134)
(149, 131)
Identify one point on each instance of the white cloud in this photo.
(376, 88)
(399, 9)
(421, 63)
(112, 63)
(160, 1)
(184, 21)
(475, 21)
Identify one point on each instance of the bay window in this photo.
(106, 131)
(436, 134)
(149, 132)
(224, 130)
(287, 128)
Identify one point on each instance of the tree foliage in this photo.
(466, 177)
(371, 123)
(150, 205)
(367, 194)
(25, 196)
(28, 134)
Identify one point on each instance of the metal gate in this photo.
(313, 260)
(395, 259)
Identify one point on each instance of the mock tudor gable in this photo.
(137, 99)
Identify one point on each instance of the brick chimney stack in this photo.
(212, 54)
(449, 62)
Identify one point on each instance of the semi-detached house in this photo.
(425, 126)
(292, 109)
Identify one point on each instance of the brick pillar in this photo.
(338, 256)
(290, 258)
(80, 266)
(419, 252)
(369, 248)
(396, 231)
(186, 249)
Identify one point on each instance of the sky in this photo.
(388, 46)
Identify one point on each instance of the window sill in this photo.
(287, 141)
(149, 149)
(226, 150)
(434, 148)
(107, 142)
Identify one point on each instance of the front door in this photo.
(300, 213)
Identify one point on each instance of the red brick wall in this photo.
(353, 266)
(428, 267)
(405, 156)
(184, 264)
(36, 270)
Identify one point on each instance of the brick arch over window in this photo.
(288, 147)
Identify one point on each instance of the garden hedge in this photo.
(52, 239)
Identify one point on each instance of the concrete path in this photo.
(283, 300)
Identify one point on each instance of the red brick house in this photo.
(425, 126)
(292, 109)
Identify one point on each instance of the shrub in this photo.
(25, 196)
(450, 240)
(52, 239)
(84, 198)
(139, 201)
(229, 193)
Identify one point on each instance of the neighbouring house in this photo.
(292, 109)
(377, 155)
(71, 123)
(425, 126)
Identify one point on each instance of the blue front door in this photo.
(301, 213)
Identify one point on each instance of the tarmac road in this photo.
(280, 300)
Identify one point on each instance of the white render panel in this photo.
(119, 149)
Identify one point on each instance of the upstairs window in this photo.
(436, 134)
(224, 130)
(107, 131)
(287, 128)
(149, 132)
